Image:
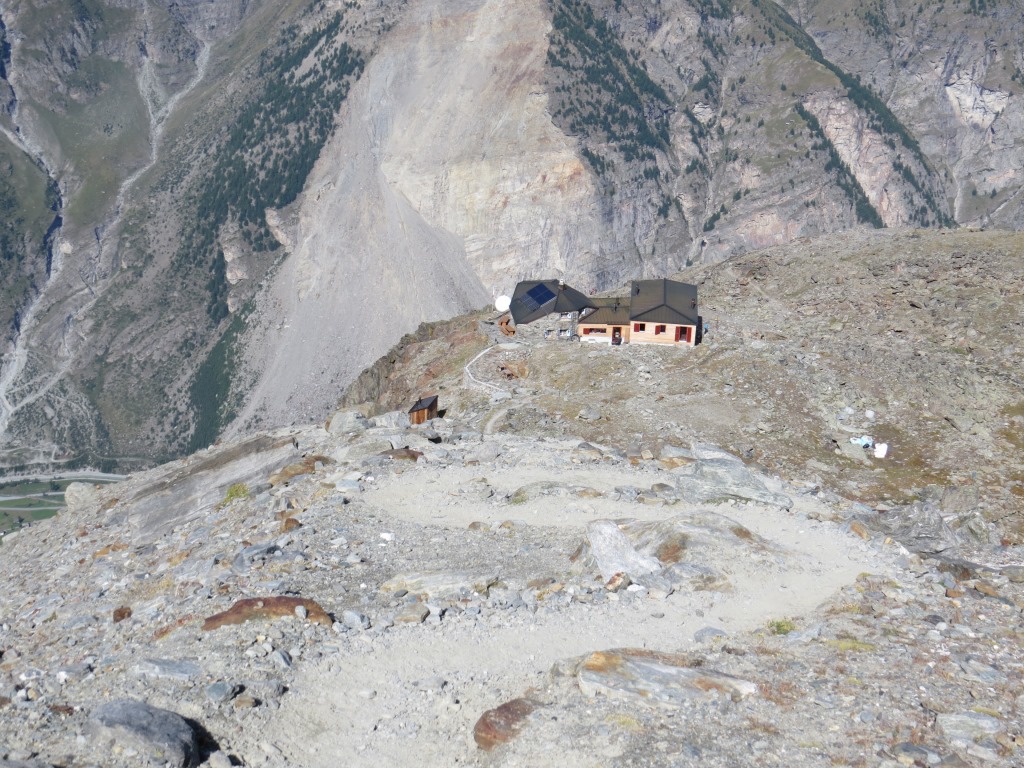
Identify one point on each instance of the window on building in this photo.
(659, 329)
(638, 327)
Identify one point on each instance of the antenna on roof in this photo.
(502, 303)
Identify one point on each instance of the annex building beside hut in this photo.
(559, 305)
(655, 312)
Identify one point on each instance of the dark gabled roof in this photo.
(663, 301)
(534, 299)
(614, 312)
(424, 404)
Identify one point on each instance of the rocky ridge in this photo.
(362, 591)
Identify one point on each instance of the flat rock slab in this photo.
(967, 726)
(665, 679)
(188, 490)
(502, 724)
(442, 585)
(168, 668)
(161, 737)
(725, 477)
(265, 608)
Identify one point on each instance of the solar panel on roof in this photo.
(540, 294)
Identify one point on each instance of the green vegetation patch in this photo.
(210, 391)
(781, 627)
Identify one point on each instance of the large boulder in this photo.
(160, 737)
(347, 422)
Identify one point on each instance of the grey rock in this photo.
(1014, 573)
(80, 497)
(975, 669)
(485, 452)
(589, 413)
(364, 449)
(355, 620)
(704, 634)
(392, 419)
(967, 726)
(720, 479)
(250, 555)
(654, 678)
(921, 527)
(347, 422)
(222, 692)
(588, 452)
(160, 736)
(442, 585)
(283, 659)
(187, 491)
(412, 613)
(168, 668)
(674, 452)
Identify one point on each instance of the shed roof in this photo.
(534, 299)
(663, 301)
(424, 403)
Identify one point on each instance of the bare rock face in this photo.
(479, 156)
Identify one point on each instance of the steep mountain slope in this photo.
(256, 200)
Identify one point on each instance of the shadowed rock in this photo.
(654, 677)
(502, 724)
(160, 736)
(266, 608)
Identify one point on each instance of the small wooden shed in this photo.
(423, 410)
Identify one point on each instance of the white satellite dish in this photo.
(502, 303)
